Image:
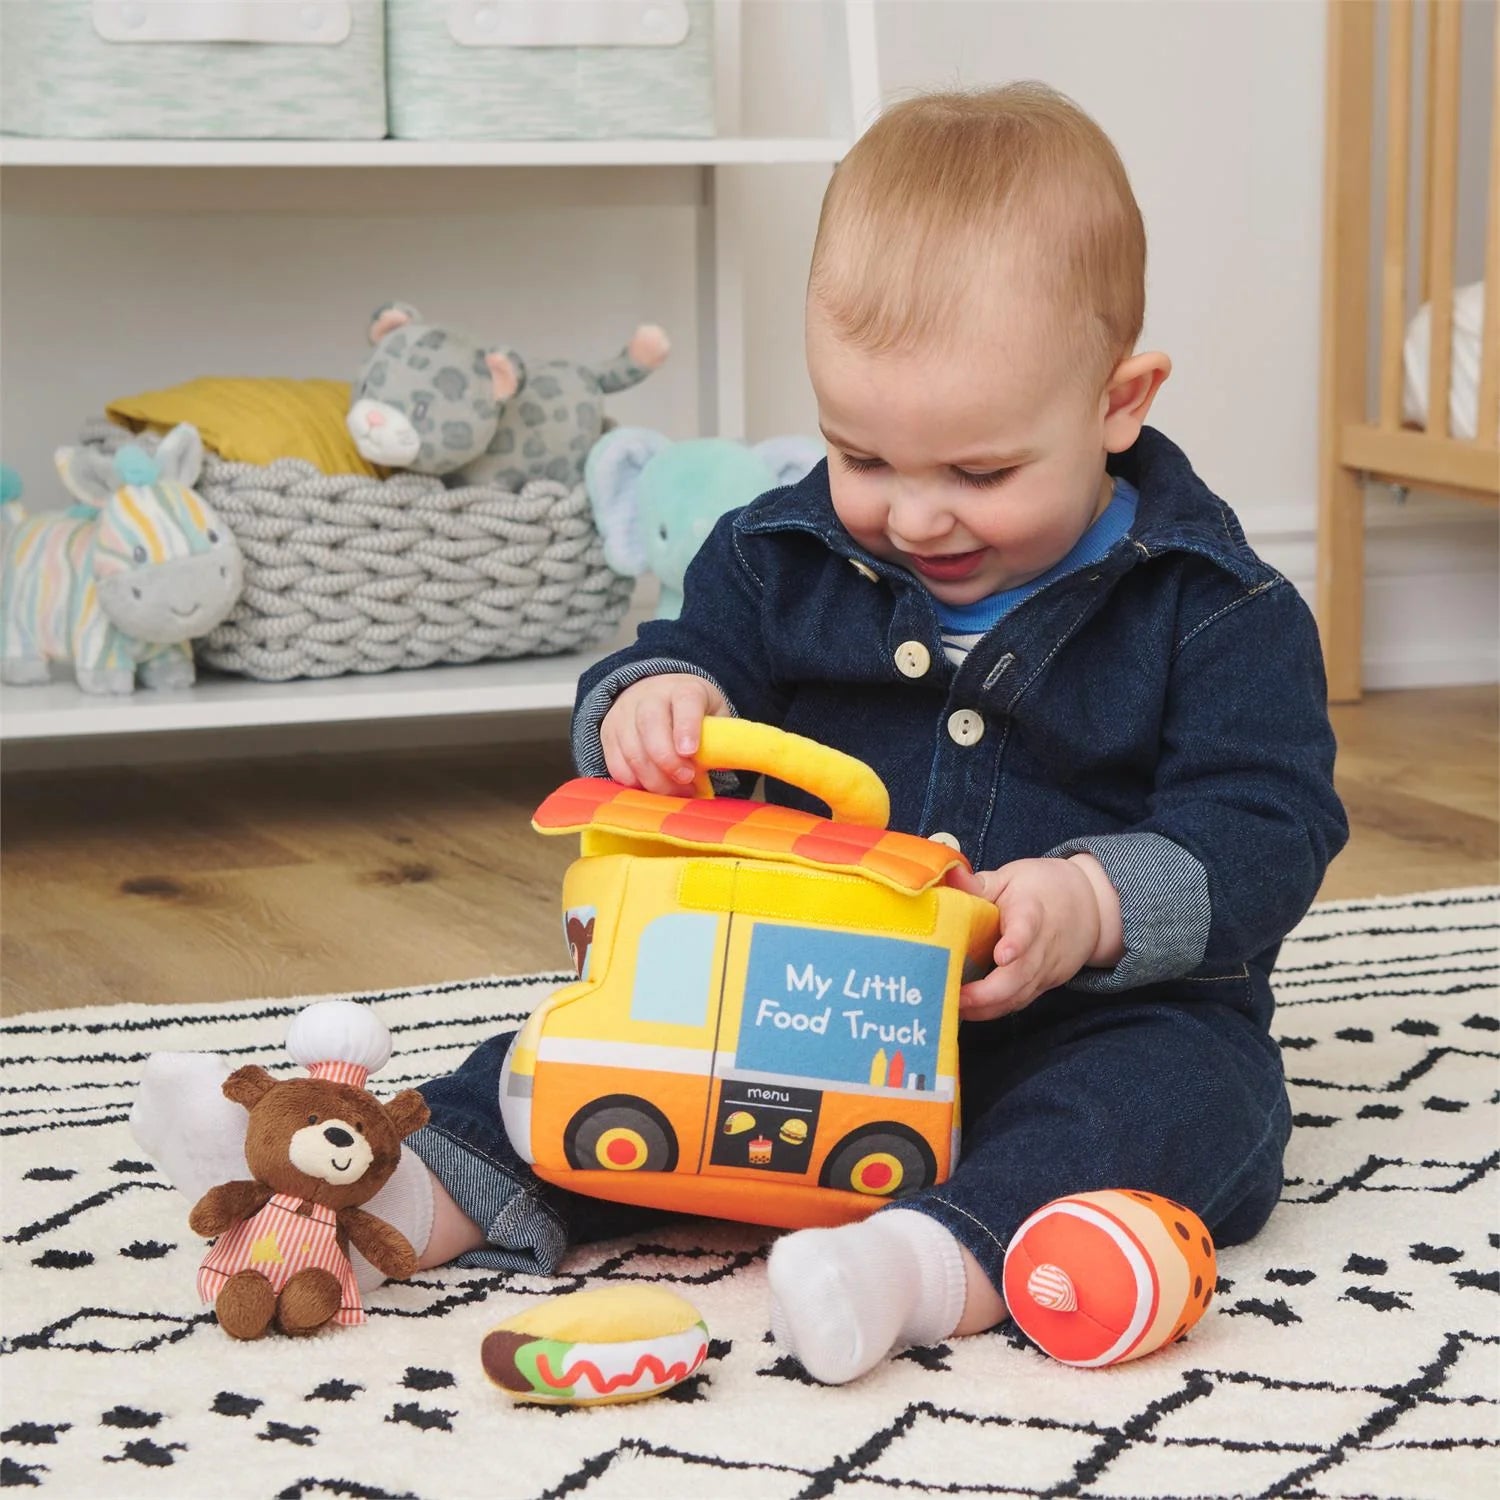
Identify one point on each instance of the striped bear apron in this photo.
(288, 1235)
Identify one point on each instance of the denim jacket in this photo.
(1162, 708)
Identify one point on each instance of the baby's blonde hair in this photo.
(949, 192)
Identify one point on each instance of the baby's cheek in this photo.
(856, 504)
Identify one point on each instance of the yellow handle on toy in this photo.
(853, 792)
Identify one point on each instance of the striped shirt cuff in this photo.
(1164, 908)
(588, 752)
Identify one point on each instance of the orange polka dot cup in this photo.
(1099, 1278)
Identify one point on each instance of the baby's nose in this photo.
(913, 530)
(917, 516)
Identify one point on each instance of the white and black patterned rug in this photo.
(1355, 1350)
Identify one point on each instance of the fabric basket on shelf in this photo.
(540, 70)
(344, 573)
(209, 69)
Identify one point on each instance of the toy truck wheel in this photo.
(620, 1133)
(880, 1161)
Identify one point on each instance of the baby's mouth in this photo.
(948, 567)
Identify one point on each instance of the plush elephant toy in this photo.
(123, 581)
(654, 501)
(430, 401)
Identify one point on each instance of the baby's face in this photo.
(976, 469)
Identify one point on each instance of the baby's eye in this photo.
(982, 481)
(861, 465)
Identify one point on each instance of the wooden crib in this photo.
(1360, 438)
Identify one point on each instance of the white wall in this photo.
(119, 282)
(112, 282)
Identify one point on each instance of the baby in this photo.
(1023, 608)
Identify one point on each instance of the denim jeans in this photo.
(1074, 1093)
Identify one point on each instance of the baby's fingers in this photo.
(660, 724)
(986, 884)
(641, 766)
(1020, 921)
(688, 707)
(616, 761)
(999, 993)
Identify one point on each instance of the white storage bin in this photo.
(550, 69)
(241, 69)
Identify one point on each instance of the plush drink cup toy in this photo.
(1099, 1278)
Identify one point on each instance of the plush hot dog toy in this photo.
(617, 1343)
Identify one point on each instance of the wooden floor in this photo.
(360, 873)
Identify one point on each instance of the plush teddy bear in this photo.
(654, 501)
(431, 401)
(317, 1148)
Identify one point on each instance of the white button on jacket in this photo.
(965, 727)
(913, 659)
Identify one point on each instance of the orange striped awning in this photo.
(731, 825)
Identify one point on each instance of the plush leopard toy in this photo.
(431, 402)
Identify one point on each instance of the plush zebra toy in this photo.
(123, 581)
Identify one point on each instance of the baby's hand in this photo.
(651, 731)
(1055, 918)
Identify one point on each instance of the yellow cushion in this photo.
(255, 420)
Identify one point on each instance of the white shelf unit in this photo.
(527, 685)
(851, 98)
(29, 151)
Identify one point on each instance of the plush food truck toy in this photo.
(764, 1025)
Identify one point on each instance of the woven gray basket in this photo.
(345, 573)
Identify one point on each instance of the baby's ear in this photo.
(1128, 397)
(407, 1112)
(248, 1085)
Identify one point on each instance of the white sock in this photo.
(196, 1138)
(183, 1122)
(405, 1203)
(842, 1299)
